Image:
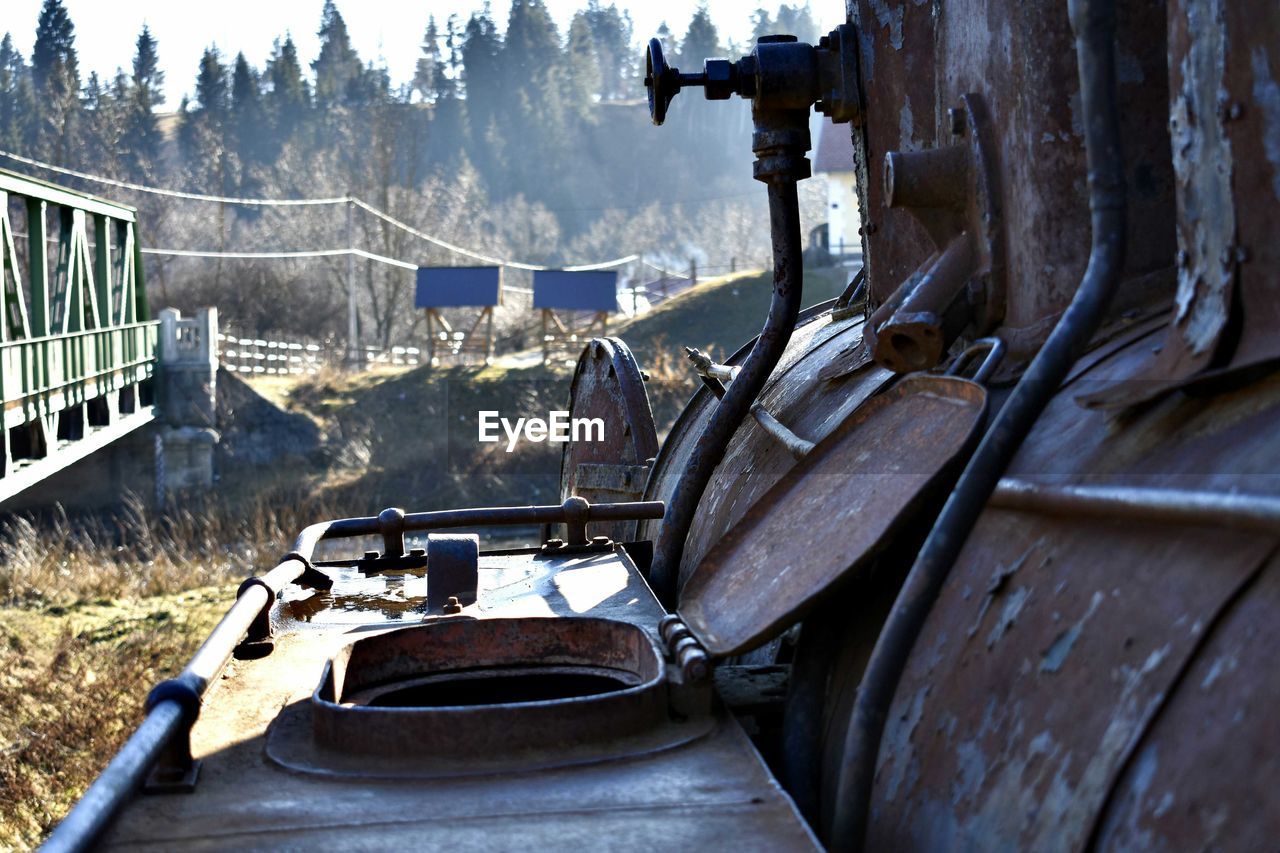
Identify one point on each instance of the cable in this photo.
(315, 253)
(386, 217)
(266, 202)
(296, 202)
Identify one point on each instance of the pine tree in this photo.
(611, 32)
(142, 139)
(701, 41)
(582, 66)
(288, 95)
(247, 117)
(337, 68)
(17, 100)
(798, 21)
(203, 131)
(481, 77)
(55, 75)
(761, 24)
(429, 74)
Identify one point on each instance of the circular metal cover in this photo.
(833, 511)
(607, 384)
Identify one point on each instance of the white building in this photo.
(835, 160)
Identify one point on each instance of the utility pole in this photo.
(353, 325)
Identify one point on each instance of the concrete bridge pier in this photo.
(186, 436)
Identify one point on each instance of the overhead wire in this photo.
(347, 199)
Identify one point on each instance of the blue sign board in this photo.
(576, 291)
(458, 287)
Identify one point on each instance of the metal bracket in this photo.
(952, 192)
(257, 642)
(175, 771)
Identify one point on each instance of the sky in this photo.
(384, 30)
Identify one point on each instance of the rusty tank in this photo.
(981, 555)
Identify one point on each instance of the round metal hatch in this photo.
(607, 384)
(461, 697)
(832, 512)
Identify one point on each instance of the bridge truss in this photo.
(78, 348)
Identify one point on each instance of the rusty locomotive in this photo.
(980, 556)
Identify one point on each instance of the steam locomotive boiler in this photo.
(982, 555)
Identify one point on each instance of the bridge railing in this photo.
(42, 377)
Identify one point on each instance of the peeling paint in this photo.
(890, 18)
(1008, 615)
(1266, 97)
(1202, 163)
(1220, 666)
(906, 126)
(1057, 652)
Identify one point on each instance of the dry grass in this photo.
(72, 683)
(92, 614)
(139, 553)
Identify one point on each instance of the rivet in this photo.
(871, 228)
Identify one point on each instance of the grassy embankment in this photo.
(91, 617)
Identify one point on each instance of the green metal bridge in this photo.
(78, 348)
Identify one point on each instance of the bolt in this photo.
(554, 543)
(956, 121)
(1236, 111)
(601, 541)
(372, 555)
(453, 605)
(871, 228)
(719, 75)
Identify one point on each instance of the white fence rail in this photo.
(280, 358)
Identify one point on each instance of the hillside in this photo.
(410, 438)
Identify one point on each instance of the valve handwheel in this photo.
(662, 81)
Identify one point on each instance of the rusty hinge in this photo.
(685, 650)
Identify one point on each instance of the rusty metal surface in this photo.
(1057, 640)
(1224, 119)
(919, 60)
(706, 790)
(1222, 792)
(525, 583)
(1051, 649)
(831, 512)
(607, 384)
(811, 405)
(953, 191)
(347, 714)
(678, 443)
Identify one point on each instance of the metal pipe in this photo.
(798, 447)
(1163, 506)
(788, 280)
(1094, 24)
(165, 721)
(477, 517)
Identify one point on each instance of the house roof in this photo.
(835, 148)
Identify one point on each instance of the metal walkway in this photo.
(78, 350)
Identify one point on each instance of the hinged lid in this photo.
(832, 512)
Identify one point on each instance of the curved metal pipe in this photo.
(1094, 24)
(788, 281)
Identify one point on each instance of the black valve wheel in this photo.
(662, 81)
